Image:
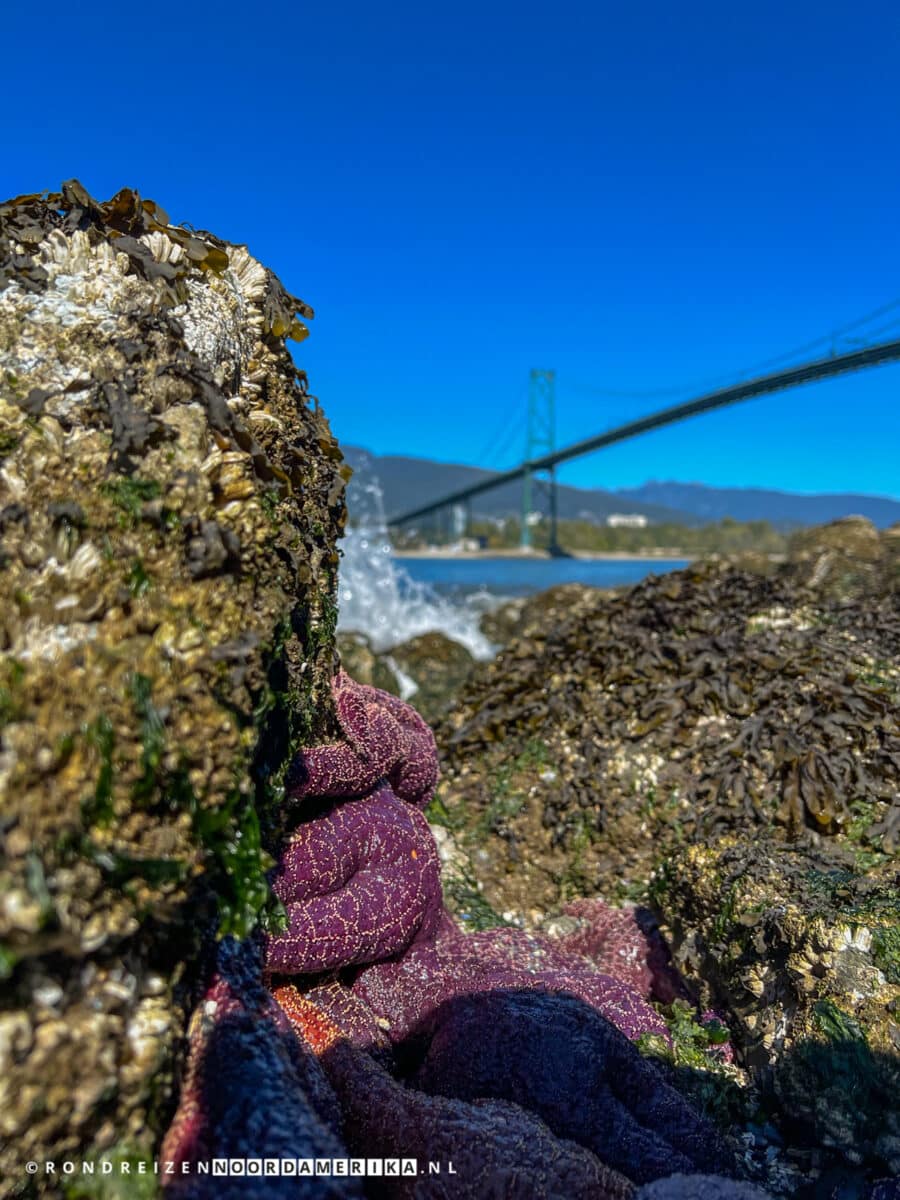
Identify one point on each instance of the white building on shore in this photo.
(627, 521)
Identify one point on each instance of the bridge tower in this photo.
(541, 439)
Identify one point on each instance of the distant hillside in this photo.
(409, 482)
(783, 509)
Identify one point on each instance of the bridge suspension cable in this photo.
(809, 372)
(511, 425)
(722, 380)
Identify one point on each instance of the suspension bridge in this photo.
(541, 424)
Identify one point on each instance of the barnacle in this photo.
(161, 246)
(251, 276)
(758, 714)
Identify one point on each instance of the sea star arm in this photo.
(354, 766)
(377, 909)
(576, 1071)
(496, 1148)
(384, 738)
(415, 774)
(250, 1087)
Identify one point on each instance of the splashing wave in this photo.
(378, 598)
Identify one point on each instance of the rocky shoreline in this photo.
(235, 915)
(721, 746)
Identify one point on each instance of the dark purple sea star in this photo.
(575, 1071)
(360, 883)
(385, 739)
(496, 1148)
(250, 1089)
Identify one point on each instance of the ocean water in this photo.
(377, 596)
(392, 599)
(463, 579)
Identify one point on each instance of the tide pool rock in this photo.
(438, 666)
(724, 746)
(805, 954)
(170, 502)
(361, 661)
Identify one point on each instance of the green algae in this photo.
(470, 907)
(507, 792)
(98, 808)
(269, 499)
(707, 1080)
(8, 960)
(128, 495)
(13, 672)
(438, 813)
(138, 579)
(580, 835)
(153, 736)
(886, 951)
(836, 1025)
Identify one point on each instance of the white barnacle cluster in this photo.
(249, 276)
(223, 316)
(163, 249)
(87, 285)
(72, 256)
(212, 318)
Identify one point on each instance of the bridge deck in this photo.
(822, 368)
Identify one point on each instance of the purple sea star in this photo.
(513, 1049)
(623, 942)
(405, 991)
(495, 1147)
(385, 739)
(359, 883)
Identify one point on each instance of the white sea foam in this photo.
(378, 597)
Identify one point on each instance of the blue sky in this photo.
(641, 197)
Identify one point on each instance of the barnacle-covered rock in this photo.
(429, 669)
(364, 664)
(842, 559)
(170, 501)
(805, 952)
(523, 616)
(710, 717)
(437, 665)
(703, 701)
